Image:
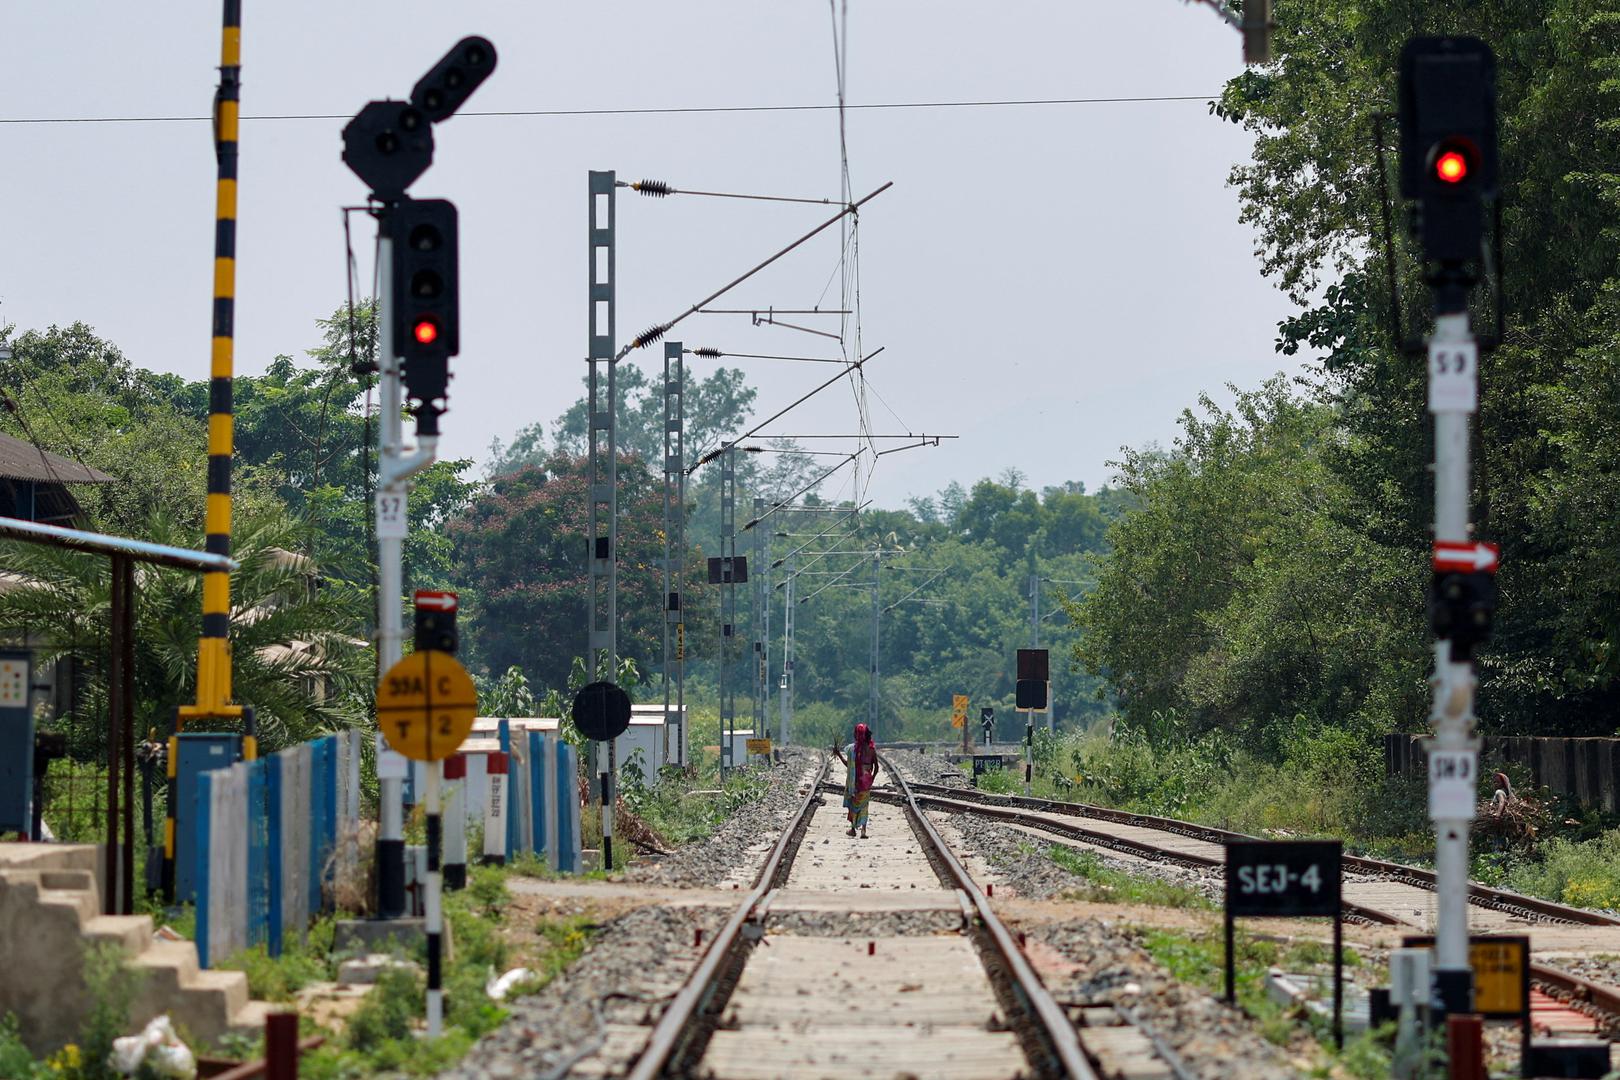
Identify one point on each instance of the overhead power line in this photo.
(679, 110)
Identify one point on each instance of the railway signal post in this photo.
(1448, 166)
(389, 145)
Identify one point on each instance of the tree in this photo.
(1312, 192)
(1236, 598)
(296, 656)
(520, 550)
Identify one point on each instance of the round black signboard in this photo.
(602, 711)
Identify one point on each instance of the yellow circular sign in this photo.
(425, 705)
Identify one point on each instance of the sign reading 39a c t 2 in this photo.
(1271, 878)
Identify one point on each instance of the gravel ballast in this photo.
(733, 854)
(1212, 1039)
(631, 970)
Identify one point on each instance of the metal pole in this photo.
(674, 508)
(762, 626)
(432, 904)
(728, 599)
(391, 496)
(872, 702)
(787, 654)
(1453, 712)
(602, 641)
(213, 649)
(1034, 611)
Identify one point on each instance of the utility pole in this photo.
(728, 601)
(1449, 165)
(674, 549)
(872, 703)
(762, 627)
(787, 654)
(602, 645)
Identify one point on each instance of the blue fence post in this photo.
(200, 840)
(273, 849)
(511, 777)
(320, 809)
(537, 790)
(256, 828)
(567, 811)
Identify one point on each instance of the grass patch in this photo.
(381, 1037)
(1104, 884)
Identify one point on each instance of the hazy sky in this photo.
(1050, 282)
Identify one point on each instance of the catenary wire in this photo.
(664, 111)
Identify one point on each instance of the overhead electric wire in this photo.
(988, 103)
(751, 432)
(653, 334)
(716, 354)
(657, 189)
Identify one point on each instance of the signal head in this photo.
(388, 145)
(446, 88)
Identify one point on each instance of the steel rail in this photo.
(1068, 1057)
(686, 1008)
(1481, 895)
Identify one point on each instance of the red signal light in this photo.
(1451, 167)
(426, 331)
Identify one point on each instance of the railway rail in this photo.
(969, 1003)
(1376, 891)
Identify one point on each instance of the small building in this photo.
(34, 484)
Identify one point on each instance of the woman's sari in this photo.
(862, 759)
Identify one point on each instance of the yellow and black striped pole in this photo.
(213, 647)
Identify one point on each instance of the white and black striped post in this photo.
(455, 837)
(1029, 751)
(433, 906)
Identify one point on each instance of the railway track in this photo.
(838, 986)
(1375, 891)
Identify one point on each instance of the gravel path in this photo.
(734, 853)
(632, 968)
(1213, 1040)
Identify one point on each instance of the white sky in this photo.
(1050, 282)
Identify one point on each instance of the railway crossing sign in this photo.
(426, 704)
(1274, 878)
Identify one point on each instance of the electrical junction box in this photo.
(16, 744)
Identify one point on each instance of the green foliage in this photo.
(1103, 885)
(16, 1060)
(110, 986)
(294, 653)
(300, 963)
(1582, 873)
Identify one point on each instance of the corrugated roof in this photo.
(21, 460)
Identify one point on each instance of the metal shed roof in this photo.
(21, 460)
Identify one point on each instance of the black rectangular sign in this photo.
(728, 571)
(1277, 877)
(1032, 665)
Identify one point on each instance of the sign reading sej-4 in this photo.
(1271, 878)
(1266, 878)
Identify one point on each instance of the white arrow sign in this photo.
(436, 601)
(1452, 555)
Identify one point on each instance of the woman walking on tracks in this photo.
(862, 766)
